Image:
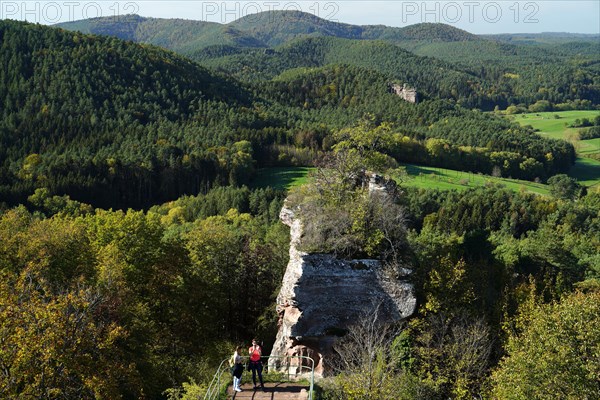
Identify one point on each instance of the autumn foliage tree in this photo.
(59, 345)
(112, 304)
(554, 352)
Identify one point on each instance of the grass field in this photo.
(447, 179)
(421, 177)
(553, 127)
(585, 170)
(590, 146)
(283, 178)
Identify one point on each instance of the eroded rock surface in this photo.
(405, 92)
(322, 296)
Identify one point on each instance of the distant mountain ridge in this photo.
(119, 124)
(544, 37)
(441, 61)
(257, 30)
(179, 35)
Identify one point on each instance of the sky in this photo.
(480, 17)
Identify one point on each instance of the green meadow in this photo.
(586, 171)
(555, 125)
(549, 125)
(283, 178)
(447, 179)
(588, 147)
(418, 176)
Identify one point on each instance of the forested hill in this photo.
(476, 71)
(118, 124)
(431, 77)
(257, 30)
(545, 37)
(180, 35)
(277, 27)
(90, 112)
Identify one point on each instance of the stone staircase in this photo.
(273, 391)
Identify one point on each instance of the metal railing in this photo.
(223, 374)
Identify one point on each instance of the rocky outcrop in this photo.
(322, 297)
(405, 92)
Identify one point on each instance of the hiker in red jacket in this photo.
(256, 363)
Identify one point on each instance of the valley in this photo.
(413, 211)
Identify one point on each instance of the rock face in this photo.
(405, 92)
(322, 296)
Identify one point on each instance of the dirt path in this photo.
(273, 391)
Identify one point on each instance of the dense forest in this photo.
(116, 304)
(162, 126)
(95, 117)
(488, 263)
(156, 298)
(136, 250)
(443, 62)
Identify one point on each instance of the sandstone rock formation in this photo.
(407, 93)
(322, 296)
